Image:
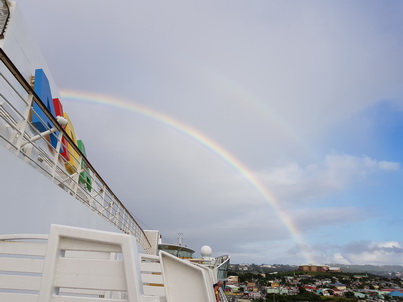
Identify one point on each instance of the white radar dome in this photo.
(206, 251)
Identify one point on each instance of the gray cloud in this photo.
(268, 81)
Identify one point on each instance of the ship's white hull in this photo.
(31, 203)
(45, 176)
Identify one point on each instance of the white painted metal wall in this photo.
(36, 187)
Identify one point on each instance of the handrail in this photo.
(131, 226)
(4, 16)
(222, 296)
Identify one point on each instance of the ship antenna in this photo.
(180, 239)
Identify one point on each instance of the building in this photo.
(313, 268)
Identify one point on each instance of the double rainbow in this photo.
(87, 97)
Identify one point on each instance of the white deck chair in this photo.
(74, 270)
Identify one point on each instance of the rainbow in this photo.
(80, 96)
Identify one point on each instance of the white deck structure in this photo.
(76, 264)
(93, 248)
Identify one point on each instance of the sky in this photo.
(269, 130)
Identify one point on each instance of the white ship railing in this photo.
(4, 15)
(221, 265)
(75, 264)
(19, 135)
(71, 264)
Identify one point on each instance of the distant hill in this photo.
(383, 270)
(371, 269)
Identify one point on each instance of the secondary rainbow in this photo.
(198, 136)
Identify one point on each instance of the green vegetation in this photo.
(305, 297)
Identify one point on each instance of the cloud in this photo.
(376, 253)
(266, 81)
(388, 166)
(335, 173)
(357, 252)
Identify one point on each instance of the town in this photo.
(278, 283)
